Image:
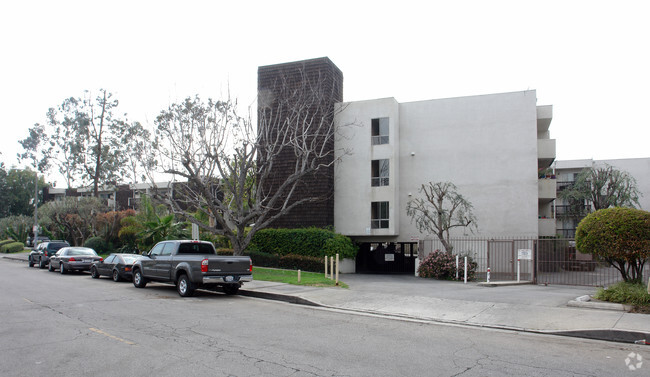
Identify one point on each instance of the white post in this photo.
(331, 267)
(518, 270)
(337, 269)
(488, 275)
(298, 276)
(648, 285)
(326, 267)
(465, 270)
(456, 267)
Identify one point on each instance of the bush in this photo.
(290, 261)
(4, 242)
(625, 293)
(98, 244)
(12, 247)
(313, 242)
(440, 265)
(621, 236)
(225, 251)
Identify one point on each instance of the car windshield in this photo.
(196, 248)
(81, 252)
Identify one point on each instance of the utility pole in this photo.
(35, 209)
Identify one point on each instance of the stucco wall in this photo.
(486, 145)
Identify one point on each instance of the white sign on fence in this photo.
(389, 257)
(525, 254)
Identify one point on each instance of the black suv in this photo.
(41, 255)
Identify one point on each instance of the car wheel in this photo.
(62, 269)
(51, 267)
(94, 273)
(116, 276)
(138, 280)
(41, 264)
(231, 289)
(31, 263)
(184, 286)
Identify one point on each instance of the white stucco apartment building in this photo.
(490, 146)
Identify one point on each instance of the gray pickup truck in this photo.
(191, 265)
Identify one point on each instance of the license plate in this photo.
(86, 260)
(228, 278)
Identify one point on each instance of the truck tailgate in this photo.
(228, 265)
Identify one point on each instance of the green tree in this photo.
(85, 140)
(17, 192)
(16, 227)
(137, 143)
(603, 187)
(74, 219)
(441, 209)
(621, 236)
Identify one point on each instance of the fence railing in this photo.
(554, 261)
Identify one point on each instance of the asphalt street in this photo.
(72, 325)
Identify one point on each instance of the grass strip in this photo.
(312, 279)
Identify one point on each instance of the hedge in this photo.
(4, 242)
(98, 244)
(289, 261)
(311, 242)
(13, 247)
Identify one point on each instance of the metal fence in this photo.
(554, 261)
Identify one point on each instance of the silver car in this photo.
(73, 258)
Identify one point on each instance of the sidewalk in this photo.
(529, 308)
(552, 309)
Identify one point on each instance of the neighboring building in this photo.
(116, 197)
(568, 215)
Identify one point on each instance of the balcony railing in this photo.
(568, 210)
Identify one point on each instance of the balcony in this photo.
(546, 227)
(545, 152)
(547, 189)
(544, 117)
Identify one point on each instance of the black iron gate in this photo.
(386, 258)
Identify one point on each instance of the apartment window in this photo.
(379, 173)
(379, 215)
(379, 131)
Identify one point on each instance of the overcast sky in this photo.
(589, 59)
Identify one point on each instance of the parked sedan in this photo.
(117, 266)
(73, 259)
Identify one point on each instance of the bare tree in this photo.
(442, 209)
(228, 163)
(604, 187)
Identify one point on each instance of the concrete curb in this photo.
(586, 302)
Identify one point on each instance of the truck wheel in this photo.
(184, 286)
(138, 280)
(231, 289)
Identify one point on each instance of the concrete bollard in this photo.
(488, 275)
(456, 267)
(465, 270)
(331, 267)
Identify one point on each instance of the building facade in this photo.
(492, 147)
(568, 215)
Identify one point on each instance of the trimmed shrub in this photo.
(12, 247)
(442, 266)
(98, 244)
(290, 261)
(312, 242)
(4, 242)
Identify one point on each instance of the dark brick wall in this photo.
(281, 81)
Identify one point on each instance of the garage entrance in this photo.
(386, 258)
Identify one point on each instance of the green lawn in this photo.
(291, 277)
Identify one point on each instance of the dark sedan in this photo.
(117, 266)
(73, 259)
